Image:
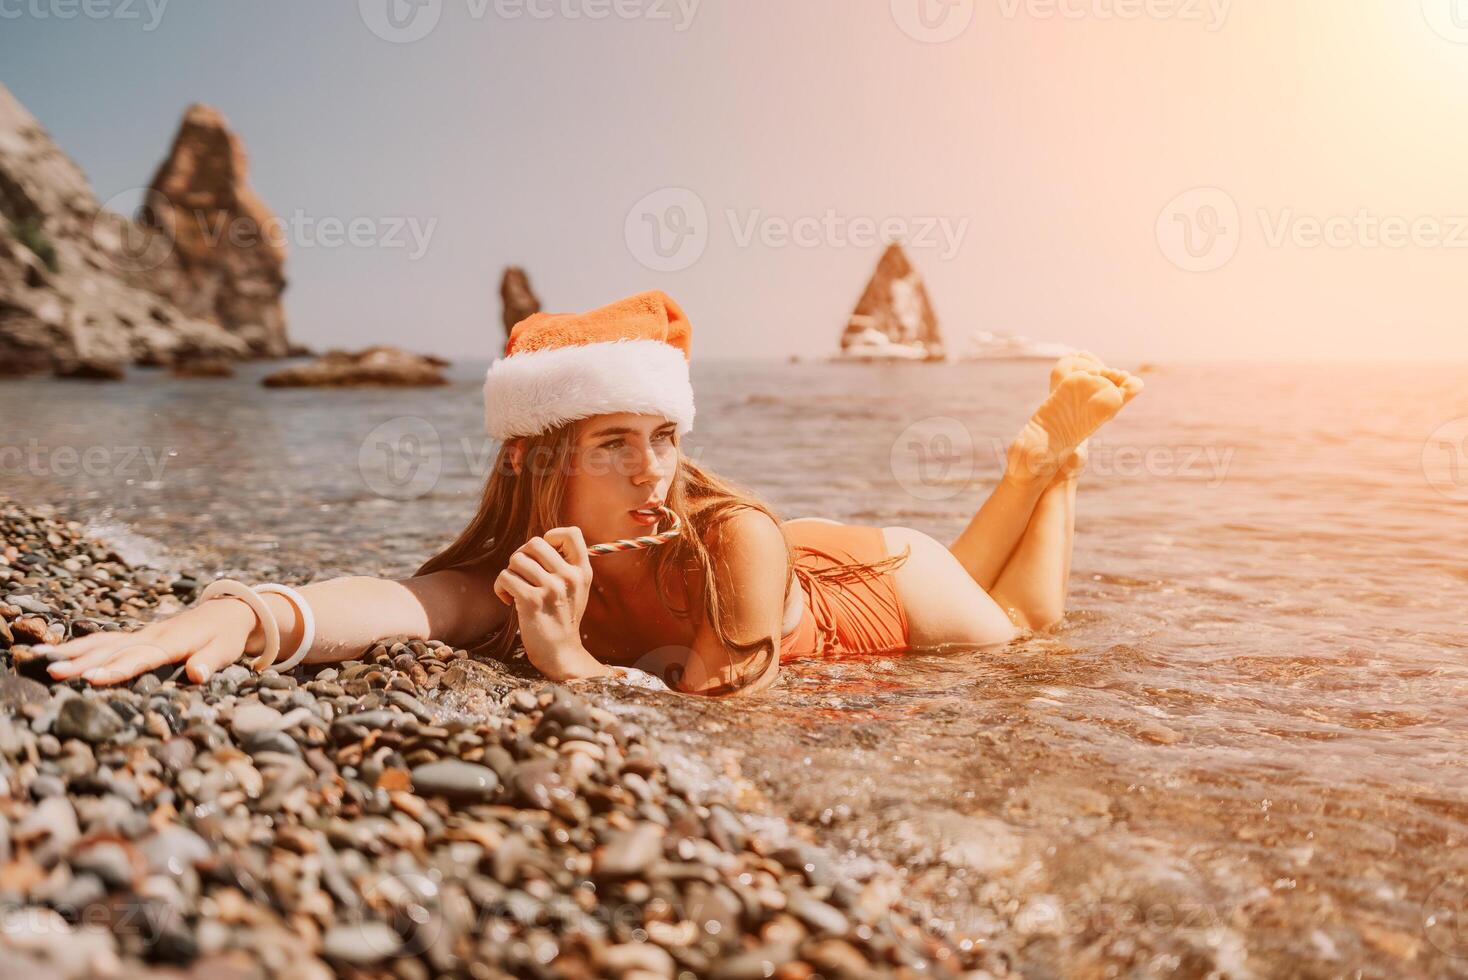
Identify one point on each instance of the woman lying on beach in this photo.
(711, 592)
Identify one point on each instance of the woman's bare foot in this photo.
(1085, 361)
(1080, 404)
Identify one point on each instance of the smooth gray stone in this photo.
(361, 943)
(173, 850)
(816, 914)
(459, 781)
(631, 853)
(87, 719)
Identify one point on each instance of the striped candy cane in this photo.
(644, 541)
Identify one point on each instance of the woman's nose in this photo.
(647, 465)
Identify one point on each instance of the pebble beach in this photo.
(352, 821)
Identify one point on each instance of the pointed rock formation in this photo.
(518, 298)
(895, 304)
(81, 287)
(229, 247)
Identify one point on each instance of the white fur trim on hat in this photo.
(528, 393)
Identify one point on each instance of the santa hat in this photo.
(628, 356)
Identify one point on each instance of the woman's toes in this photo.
(1071, 363)
(1130, 384)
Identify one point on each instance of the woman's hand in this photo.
(549, 580)
(210, 636)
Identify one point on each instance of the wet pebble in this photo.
(361, 944)
(632, 852)
(88, 719)
(250, 719)
(457, 780)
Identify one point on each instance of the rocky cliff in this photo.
(84, 290)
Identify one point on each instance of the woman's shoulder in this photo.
(740, 524)
(748, 539)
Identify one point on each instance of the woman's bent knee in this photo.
(1037, 618)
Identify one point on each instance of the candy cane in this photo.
(644, 541)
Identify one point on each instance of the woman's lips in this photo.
(642, 517)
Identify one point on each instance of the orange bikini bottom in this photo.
(844, 618)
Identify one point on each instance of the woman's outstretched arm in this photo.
(352, 613)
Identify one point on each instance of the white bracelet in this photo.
(231, 588)
(308, 621)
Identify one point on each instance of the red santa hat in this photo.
(627, 356)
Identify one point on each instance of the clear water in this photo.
(1243, 752)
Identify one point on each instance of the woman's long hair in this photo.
(518, 506)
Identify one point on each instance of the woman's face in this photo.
(619, 463)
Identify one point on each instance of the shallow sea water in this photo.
(1243, 752)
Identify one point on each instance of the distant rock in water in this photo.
(84, 285)
(202, 367)
(895, 305)
(90, 369)
(380, 365)
(518, 298)
(230, 248)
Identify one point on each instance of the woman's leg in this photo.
(985, 545)
(1081, 400)
(1033, 585)
(1022, 557)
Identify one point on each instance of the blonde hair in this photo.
(516, 506)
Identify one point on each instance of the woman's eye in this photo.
(619, 443)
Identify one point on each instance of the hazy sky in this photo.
(1153, 179)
